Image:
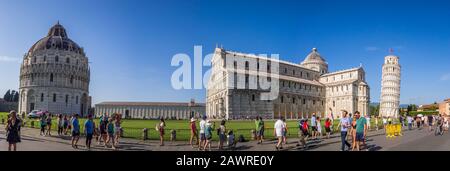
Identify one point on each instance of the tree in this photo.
(16, 97)
(13, 96)
(7, 96)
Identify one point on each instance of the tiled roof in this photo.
(149, 104)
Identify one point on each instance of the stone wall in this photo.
(8, 106)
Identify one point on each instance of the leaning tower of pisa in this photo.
(390, 87)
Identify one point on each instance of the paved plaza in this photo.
(415, 140)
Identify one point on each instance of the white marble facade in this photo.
(390, 87)
(304, 88)
(151, 110)
(55, 76)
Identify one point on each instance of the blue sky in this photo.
(131, 43)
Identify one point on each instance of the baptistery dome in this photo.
(55, 76)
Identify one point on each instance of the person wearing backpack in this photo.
(208, 134)
(302, 135)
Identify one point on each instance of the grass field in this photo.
(133, 128)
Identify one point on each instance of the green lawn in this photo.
(133, 128)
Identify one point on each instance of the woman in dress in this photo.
(161, 128)
(12, 131)
(319, 127)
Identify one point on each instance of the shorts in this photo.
(89, 136)
(102, 130)
(75, 133)
(359, 136)
(209, 137)
(202, 136)
(314, 128)
(222, 137)
(327, 129)
(259, 133)
(279, 133)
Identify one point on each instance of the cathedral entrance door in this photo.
(31, 107)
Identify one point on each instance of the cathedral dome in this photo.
(56, 39)
(314, 56)
(315, 62)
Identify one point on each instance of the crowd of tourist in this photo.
(106, 130)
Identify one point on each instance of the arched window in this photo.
(56, 59)
(67, 98)
(67, 60)
(42, 97)
(246, 64)
(45, 58)
(54, 97)
(253, 97)
(282, 99)
(71, 79)
(51, 77)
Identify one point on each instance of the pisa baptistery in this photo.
(55, 75)
(390, 87)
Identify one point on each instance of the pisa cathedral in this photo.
(55, 75)
(304, 88)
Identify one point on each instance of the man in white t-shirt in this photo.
(278, 132)
(368, 121)
(410, 121)
(202, 132)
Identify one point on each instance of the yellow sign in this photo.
(393, 130)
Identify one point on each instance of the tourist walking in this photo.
(263, 128)
(285, 131)
(209, 127)
(278, 132)
(361, 130)
(75, 131)
(409, 119)
(43, 122)
(368, 121)
(103, 123)
(400, 119)
(202, 133)
(13, 131)
(259, 126)
(65, 124)
(221, 132)
(161, 127)
(117, 128)
(60, 124)
(328, 127)
(353, 131)
(194, 134)
(430, 122)
(89, 127)
(344, 124)
(376, 122)
(49, 125)
(418, 121)
(110, 131)
(319, 127)
(313, 126)
(385, 122)
(303, 133)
